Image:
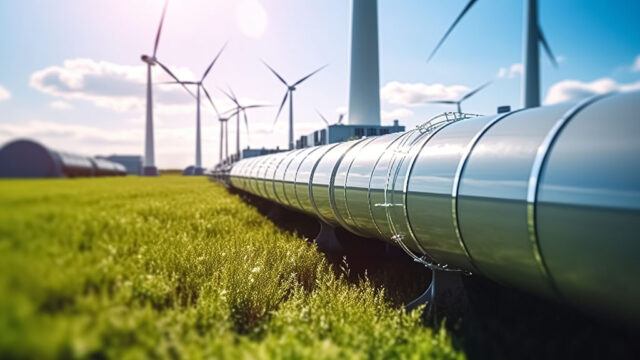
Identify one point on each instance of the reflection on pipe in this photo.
(545, 199)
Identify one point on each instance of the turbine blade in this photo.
(547, 48)
(174, 77)
(322, 117)
(232, 98)
(275, 73)
(213, 62)
(255, 106)
(286, 95)
(464, 11)
(441, 102)
(246, 124)
(340, 118)
(206, 93)
(470, 94)
(308, 76)
(230, 112)
(164, 11)
(233, 94)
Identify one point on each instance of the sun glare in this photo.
(252, 18)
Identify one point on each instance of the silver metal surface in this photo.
(322, 182)
(533, 199)
(429, 192)
(492, 193)
(536, 170)
(458, 175)
(358, 183)
(588, 207)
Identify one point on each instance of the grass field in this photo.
(176, 267)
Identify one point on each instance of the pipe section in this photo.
(544, 199)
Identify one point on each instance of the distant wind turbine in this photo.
(339, 122)
(238, 110)
(224, 136)
(532, 36)
(290, 89)
(149, 164)
(200, 86)
(463, 98)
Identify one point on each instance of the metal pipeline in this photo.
(545, 199)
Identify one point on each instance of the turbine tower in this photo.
(198, 169)
(532, 37)
(463, 98)
(240, 109)
(149, 162)
(364, 78)
(290, 89)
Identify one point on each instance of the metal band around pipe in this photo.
(534, 178)
(405, 186)
(398, 159)
(288, 202)
(295, 178)
(456, 180)
(310, 184)
(375, 165)
(347, 226)
(273, 179)
(332, 199)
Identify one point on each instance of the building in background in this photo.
(338, 133)
(24, 158)
(133, 163)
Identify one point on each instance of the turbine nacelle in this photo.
(151, 60)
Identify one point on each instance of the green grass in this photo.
(175, 267)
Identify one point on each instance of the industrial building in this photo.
(25, 158)
(133, 163)
(338, 133)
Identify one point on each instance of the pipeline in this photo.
(544, 199)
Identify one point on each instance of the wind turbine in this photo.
(290, 89)
(339, 122)
(149, 163)
(240, 109)
(532, 36)
(463, 98)
(224, 136)
(198, 170)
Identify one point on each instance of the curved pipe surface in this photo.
(544, 199)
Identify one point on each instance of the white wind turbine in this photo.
(290, 89)
(339, 122)
(532, 36)
(463, 98)
(238, 110)
(198, 169)
(149, 165)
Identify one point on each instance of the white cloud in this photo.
(111, 86)
(4, 94)
(60, 105)
(636, 64)
(511, 71)
(567, 90)
(408, 94)
(398, 113)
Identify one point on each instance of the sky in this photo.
(71, 75)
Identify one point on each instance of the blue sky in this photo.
(71, 75)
